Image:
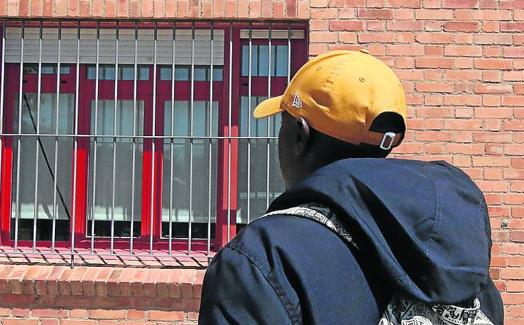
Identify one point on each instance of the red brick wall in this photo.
(98, 295)
(462, 65)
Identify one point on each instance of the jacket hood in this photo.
(423, 226)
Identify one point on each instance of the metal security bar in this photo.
(136, 138)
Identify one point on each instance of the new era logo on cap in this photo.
(296, 101)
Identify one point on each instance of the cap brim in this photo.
(268, 107)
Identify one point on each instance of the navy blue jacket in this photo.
(422, 230)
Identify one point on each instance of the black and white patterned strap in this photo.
(311, 211)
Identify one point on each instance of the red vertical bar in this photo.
(159, 162)
(81, 157)
(7, 152)
(230, 183)
(146, 166)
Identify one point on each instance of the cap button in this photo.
(364, 51)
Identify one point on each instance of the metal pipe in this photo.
(19, 142)
(153, 144)
(37, 149)
(191, 110)
(230, 106)
(95, 146)
(57, 115)
(171, 145)
(210, 143)
(77, 88)
(133, 145)
(249, 92)
(269, 119)
(115, 107)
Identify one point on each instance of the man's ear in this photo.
(302, 136)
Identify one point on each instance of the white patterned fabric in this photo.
(402, 311)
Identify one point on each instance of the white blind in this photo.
(107, 50)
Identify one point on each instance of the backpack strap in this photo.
(321, 214)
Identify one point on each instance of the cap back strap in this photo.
(385, 141)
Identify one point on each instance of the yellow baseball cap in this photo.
(341, 93)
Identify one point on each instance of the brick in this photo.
(14, 321)
(49, 313)
(375, 13)
(346, 3)
(513, 100)
(325, 13)
(485, 39)
(434, 38)
(77, 322)
(401, 50)
(134, 314)
(158, 315)
(440, 87)
(491, 161)
(437, 14)
(346, 25)
(513, 75)
(433, 63)
(489, 3)
(493, 64)
(404, 25)
(512, 26)
(79, 313)
(493, 88)
(403, 3)
(513, 52)
(403, 14)
(454, 50)
(461, 26)
(490, 26)
(460, 4)
(106, 314)
(323, 37)
(375, 25)
(295, 10)
(496, 15)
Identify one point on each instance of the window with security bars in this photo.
(139, 135)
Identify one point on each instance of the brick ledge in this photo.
(39, 286)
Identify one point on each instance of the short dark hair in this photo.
(335, 149)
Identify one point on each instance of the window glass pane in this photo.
(282, 60)
(165, 73)
(218, 72)
(245, 60)
(91, 72)
(200, 73)
(52, 202)
(30, 68)
(121, 150)
(127, 73)
(143, 73)
(48, 69)
(182, 73)
(263, 63)
(254, 60)
(181, 119)
(176, 177)
(108, 73)
(64, 69)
